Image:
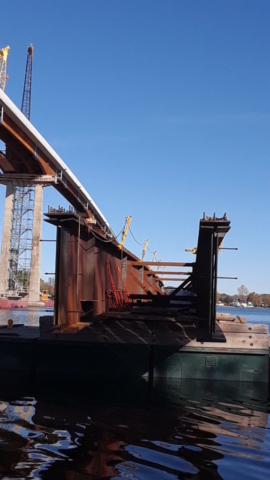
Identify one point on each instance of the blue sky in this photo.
(161, 109)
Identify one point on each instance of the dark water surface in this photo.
(178, 430)
(120, 430)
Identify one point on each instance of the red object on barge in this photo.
(10, 304)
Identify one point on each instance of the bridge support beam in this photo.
(82, 280)
(34, 285)
(6, 234)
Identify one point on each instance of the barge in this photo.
(113, 319)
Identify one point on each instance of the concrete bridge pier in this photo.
(34, 284)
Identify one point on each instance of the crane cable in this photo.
(111, 239)
(143, 243)
(135, 238)
(150, 251)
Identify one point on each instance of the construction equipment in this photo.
(154, 257)
(144, 249)
(3, 67)
(23, 209)
(118, 299)
(27, 89)
(127, 223)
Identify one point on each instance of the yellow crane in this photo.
(164, 278)
(144, 249)
(3, 67)
(153, 259)
(127, 223)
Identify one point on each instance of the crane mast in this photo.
(3, 67)
(23, 210)
(27, 89)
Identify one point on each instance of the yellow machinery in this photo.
(44, 295)
(153, 259)
(3, 67)
(128, 220)
(144, 249)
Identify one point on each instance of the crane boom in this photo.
(153, 259)
(127, 223)
(3, 67)
(144, 249)
(27, 89)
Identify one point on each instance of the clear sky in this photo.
(161, 109)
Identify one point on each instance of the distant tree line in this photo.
(48, 285)
(243, 295)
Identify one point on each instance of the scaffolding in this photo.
(21, 239)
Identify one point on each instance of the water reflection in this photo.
(184, 429)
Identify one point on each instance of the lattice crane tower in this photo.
(21, 238)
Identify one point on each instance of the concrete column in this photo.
(34, 286)
(6, 234)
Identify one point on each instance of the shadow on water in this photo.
(119, 429)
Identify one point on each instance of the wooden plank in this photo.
(229, 318)
(241, 328)
(256, 342)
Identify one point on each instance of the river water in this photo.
(124, 430)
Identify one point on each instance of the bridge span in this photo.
(89, 265)
(28, 153)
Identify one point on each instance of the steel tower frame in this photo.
(21, 239)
